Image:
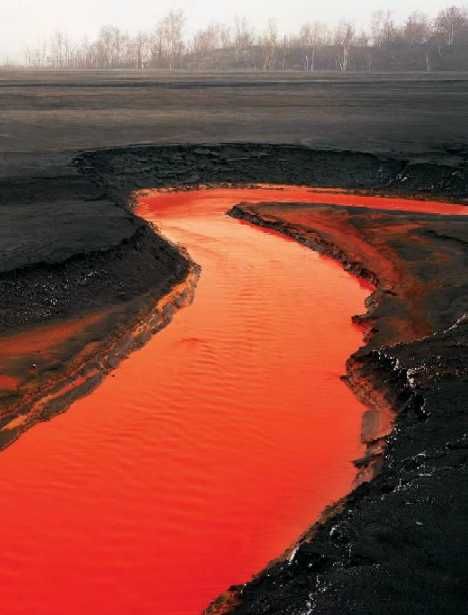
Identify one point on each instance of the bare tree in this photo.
(417, 29)
(244, 35)
(283, 51)
(225, 36)
(311, 37)
(383, 28)
(169, 39)
(452, 24)
(60, 50)
(344, 36)
(37, 57)
(362, 41)
(141, 50)
(441, 43)
(111, 47)
(207, 39)
(269, 44)
(417, 32)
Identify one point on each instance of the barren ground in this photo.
(53, 112)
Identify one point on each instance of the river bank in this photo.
(356, 558)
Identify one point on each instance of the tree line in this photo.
(419, 43)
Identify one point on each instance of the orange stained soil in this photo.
(211, 449)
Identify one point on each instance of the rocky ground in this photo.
(69, 246)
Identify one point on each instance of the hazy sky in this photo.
(24, 22)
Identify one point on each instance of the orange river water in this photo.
(211, 449)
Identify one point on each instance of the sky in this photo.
(27, 22)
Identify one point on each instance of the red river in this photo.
(211, 449)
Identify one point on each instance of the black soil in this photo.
(417, 114)
(396, 544)
(65, 248)
(89, 281)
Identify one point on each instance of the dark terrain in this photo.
(70, 246)
(389, 113)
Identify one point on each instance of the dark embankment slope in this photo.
(397, 544)
(417, 261)
(80, 281)
(119, 170)
(63, 256)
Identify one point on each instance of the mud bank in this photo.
(62, 258)
(79, 278)
(79, 285)
(417, 261)
(62, 227)
(44, 369)
(359, 557)
(398, 542)
(123, 169)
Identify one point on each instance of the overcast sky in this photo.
(26, 22)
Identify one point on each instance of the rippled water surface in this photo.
(208, 451)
